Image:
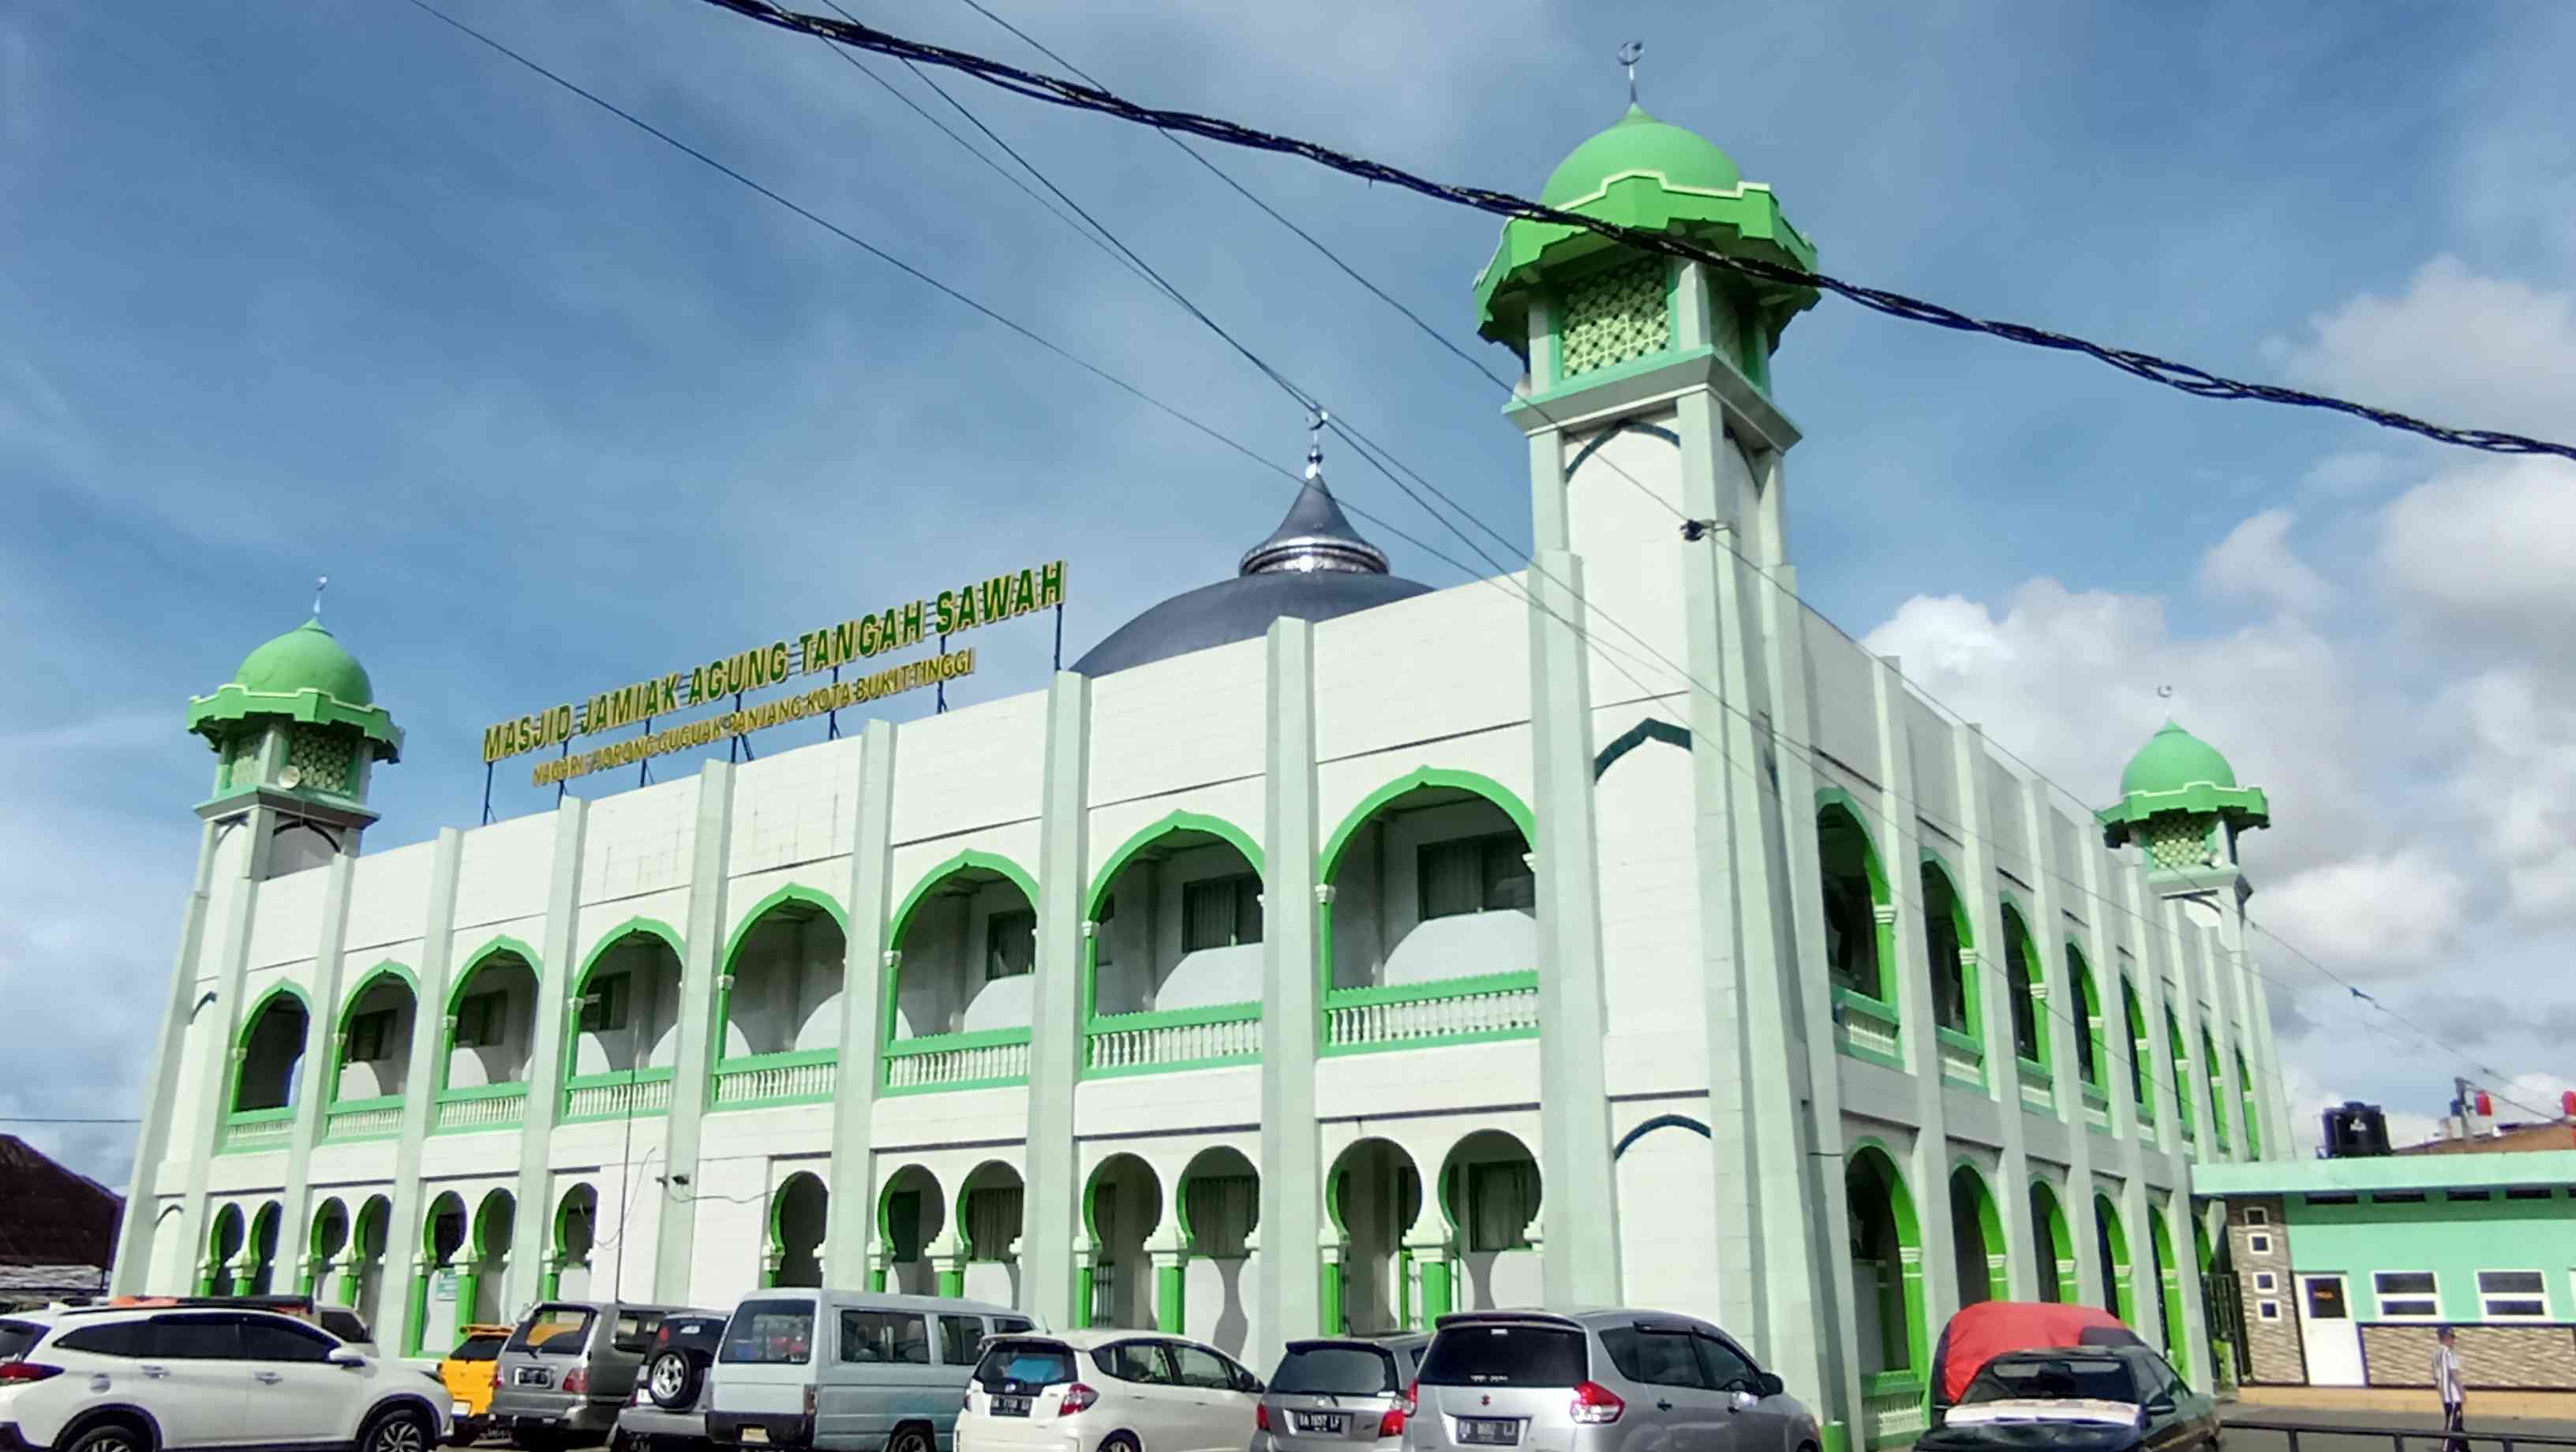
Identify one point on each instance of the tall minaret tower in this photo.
(2181, 807)
(296, 734)
(1655, 483)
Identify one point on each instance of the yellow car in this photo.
(467, 1373)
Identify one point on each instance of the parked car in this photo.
(1597, 1381)
(466, 1372)
(178, 1378)
(670, 1401)
(1108, 1391)
(569, 1368)
(1334, 1392)
(340, 1321)
(850, 1371)
(2105, 1399)
(1977, 1334)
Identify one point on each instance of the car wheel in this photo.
(672, 1380)
(111, 1437)
(909, 1439)
(399, 1430)
(1118, 1442)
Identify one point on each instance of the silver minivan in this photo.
(1339, 1394)
(849, 1371)
(1598, 1381)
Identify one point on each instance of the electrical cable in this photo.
(66, 1119)
(1592, 640)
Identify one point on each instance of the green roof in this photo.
(2174, 759)
(303, 675)
(2178, 772)
(1640, 144)
(2487, 1169)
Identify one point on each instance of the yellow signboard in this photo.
(897, 627)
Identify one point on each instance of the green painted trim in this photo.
(1888, 1383)
(2021, 952)
(516, 1088)
(2214, 1075)
(615, 938)
(1176, 821)
(1868, 1055)
(2116, 1275)
(349, 1010)
(2088, 1005)
(260, 1116)
(1218, 1061)
(1247, 1012)
(2066, 1272)
(1008, 1081)
(1958, 1039)
(1865, 1006)
(473, 969)
(2177, 1051)
(1963, 927)
(1990, 1225)
(1419, 779)
(231, 703)
(602, 1081)
(2247, 1106)
(1867, 1152)
(1836, 801)
(790, 892)
(942, 1043)
(777, 1256)
(1488, 1036)
(790, 1059)
(1436, 989)
(241, 1044)
(890, 982)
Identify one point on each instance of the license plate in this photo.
(1010, 1406)
(754, 1436)
(532, 1376)
(459, 1409)
(1489, 1431)
(1332, 1422)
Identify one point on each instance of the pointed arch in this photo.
(250, 1024)
(608, 943)
(2024, 976)
(970, 859)
(1593, 444)
(1950, 935)
(1416, 780)
(2213, 1072)
(792, 892)
(1171, 822)
(367, 983)
(1650, 728)
(2052, 1243)
(2089, 1050)
(474, 964)
(1886, 1244)
(2250, 1105)
(2118, 1294)
(1989, 1273)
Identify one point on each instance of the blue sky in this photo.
(297, 289)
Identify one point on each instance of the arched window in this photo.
(1945, 932)
(778, 1004)
(1172, 961)
(2180, 1068)
(2088, 1017)
(2021, 967)
(1854, 890)
(2214, 1072)
(961, 989)
(1976, 1238)
(2245, 1094)
(2139, 1050)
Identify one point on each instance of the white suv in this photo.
(166, 1379)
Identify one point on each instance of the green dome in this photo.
(1640, 143)
(2174, 759)
(306, 658)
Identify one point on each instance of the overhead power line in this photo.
(1369, 452)
(1081, 96)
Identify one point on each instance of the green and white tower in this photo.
(1656, 495)
(296, 733)
(2180, 805)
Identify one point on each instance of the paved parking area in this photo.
(2371, 1431)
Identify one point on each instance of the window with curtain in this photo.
(1220, 912)
(992, 1221)
(1221, 1213)
(1476, 875)
(1502, 1199)
(478, 1020)
(2025, 1002)
(1010, 944)
(2088, 1013)
(2137, 1041)
(603, 1009)
(1949, 970)
(1851, 912)
(1101, 937)
(371, 1037)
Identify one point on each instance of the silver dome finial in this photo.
(1629, 54)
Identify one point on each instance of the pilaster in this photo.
(853, 1208)
(1981, 884)
(534, 1215)
(2064, 1015)
(2138, 926)
(223, 1016)
(675, 1248)
(403, 1268)
(142, 1219)
(1574, 1108)
(321, 1050)
(1054, 1180)
(1291, 1155)
(1928, 1166)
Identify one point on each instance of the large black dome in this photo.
(1314, 566)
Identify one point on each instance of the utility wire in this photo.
(1366, 452)
(1055, 90)
(65, 1119)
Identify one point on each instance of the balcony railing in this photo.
(1891, 1408)
(2038, 1094)
(988, 1059)
(619, 1095)
(1419, 1015)
(1866, 1028)
(1180, 1038)
(258, 1129)
(377, 1118)
(1963, 1059)
(492, 1106)
(803, 1076)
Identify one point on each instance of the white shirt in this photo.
(2446, 1373)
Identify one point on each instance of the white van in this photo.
(849, 1371)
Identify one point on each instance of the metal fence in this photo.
(2425, 1439)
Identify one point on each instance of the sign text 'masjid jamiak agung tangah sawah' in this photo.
(897, 627)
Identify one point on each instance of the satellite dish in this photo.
(293, 776)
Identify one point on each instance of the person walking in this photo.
(2446, 1381)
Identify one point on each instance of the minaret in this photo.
(296, 733)
(1655, 481)
(2181, 807)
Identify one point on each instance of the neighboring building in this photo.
(57, 1228)
(1322, 951)
(2346, 1267)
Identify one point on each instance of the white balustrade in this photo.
(370, 1123)
(1149, 1045)
(1506, 1010)
(1892, 1415)
(497, 1111)
(259, 1134)
(958, 1066)
(762, 1083)
(619, 1099)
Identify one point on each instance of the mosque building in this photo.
(1321, 951)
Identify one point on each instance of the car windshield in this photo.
(1323, 1368)
(770, 1333)
(16, 1337)
(1028, 1363)
(1482, 1355)
(554, 1331)
(2052, 1379)
(476, 1348)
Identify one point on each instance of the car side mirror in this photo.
(1768, 1385)
(346, 1358)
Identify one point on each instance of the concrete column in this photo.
(853, 1230)
(1574, 1108)
(2137, 927)
(1900, 840)
(2182, 997)
(1287, 1306)
(1054, 1180)
(534, 1218)
(1829, 1309)
(676, 1244)
(403, 1268)
(244, 867)
(142, 1219)
(1980, 881)
(321, 1052)
(2051, 890)
(2193, 1334)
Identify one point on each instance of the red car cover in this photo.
(1982, 1332)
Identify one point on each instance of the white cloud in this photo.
(2255, 563)
(2350, 474)
(2491, 545)
(2470, 351)
(2379, 916)
(2518, 784)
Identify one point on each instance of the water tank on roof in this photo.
(2354, 1130)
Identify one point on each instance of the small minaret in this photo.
(297, 729)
